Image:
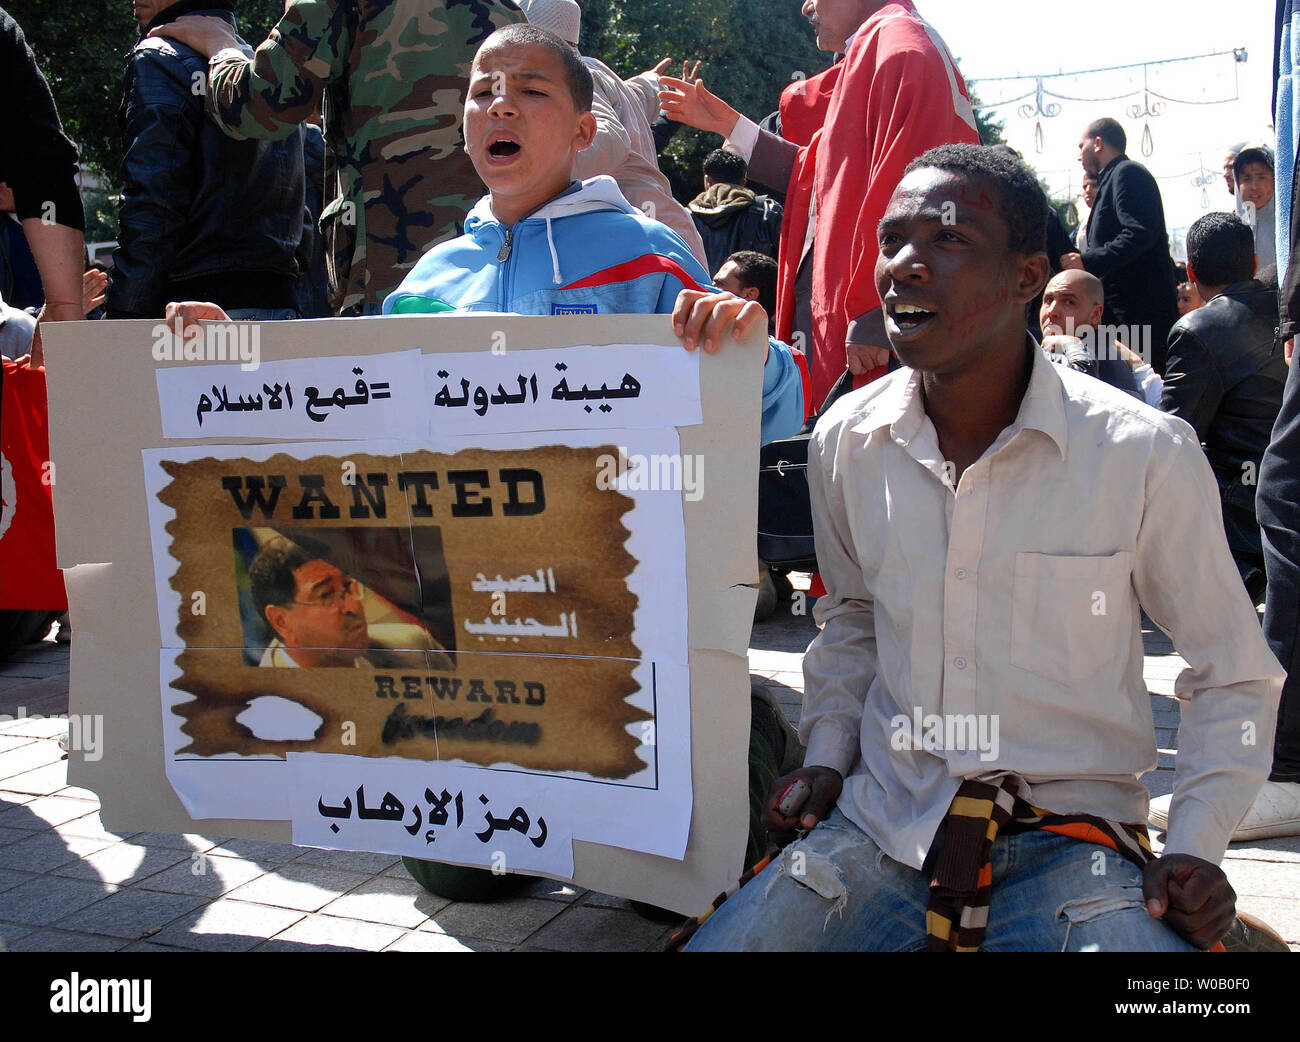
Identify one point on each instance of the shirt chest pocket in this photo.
(1070, 616)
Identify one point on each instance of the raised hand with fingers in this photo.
(688, 101)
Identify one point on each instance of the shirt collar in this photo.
(1106, 170)
(901, 409)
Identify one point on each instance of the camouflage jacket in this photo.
(392, 74)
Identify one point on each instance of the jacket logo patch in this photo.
(573, 309)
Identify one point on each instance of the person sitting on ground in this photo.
(1070, 318)
(731, 216)
(1225, 379)
(988, 526)
(752, 275)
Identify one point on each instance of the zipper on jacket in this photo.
(504, 260)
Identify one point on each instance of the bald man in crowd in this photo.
(1070, 317)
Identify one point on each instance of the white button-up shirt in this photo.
(994, 627)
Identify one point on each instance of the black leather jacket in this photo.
(1224, 378)
(203, 216)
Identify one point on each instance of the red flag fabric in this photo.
(28, 576)
(898, 95)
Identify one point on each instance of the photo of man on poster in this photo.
(318, 617)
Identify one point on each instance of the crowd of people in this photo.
(1045, 426)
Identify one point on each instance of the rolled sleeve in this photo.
(743, 138)
(267, 95)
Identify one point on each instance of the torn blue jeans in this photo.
(835, 890)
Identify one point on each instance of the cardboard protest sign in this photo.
(499, 619)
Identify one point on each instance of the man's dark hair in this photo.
(1091, 177)
(1180, 273)
(576, 74)
(1221, 249)
(757, 271)
(1021, 200)
(270, 576)
(725, 166)
(1251, 155)
(1109, 131)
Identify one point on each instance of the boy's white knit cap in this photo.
(562, 17)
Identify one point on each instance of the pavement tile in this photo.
(782, 663)
(259, 850)
(43, 701)
(1254, 878)
(552, 890)
(129, 914)
(1159, 783)
(186, 841)
(14, 799)
(92, 827)
(13, 741)
(149, 946)
(28, 757)
(45, 851)
(226, 926)
(219, 875)
(1284, 849)
(47, 899)
(595, 900)
(511, 921)
(350, 860)
(583, 929)
(13, 835)
(307, 888)
(43, 781)
(10, 878)
(76, 792)
(122, 864)
(38, 666)
(10, 932)
(45, 812)
(1281, 913)
(329, 933)
(65, 941)
(387, 900)
(42, 725)
(421, 941)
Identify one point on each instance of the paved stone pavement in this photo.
(66, 884)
